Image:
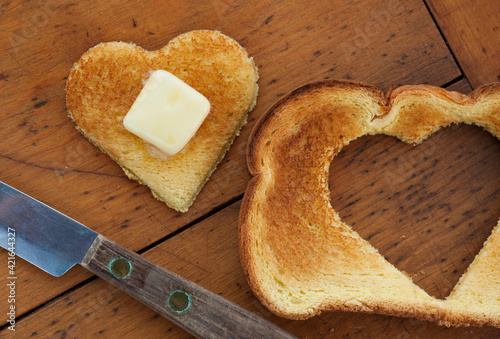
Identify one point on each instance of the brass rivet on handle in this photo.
(179, 301)
(120, 267)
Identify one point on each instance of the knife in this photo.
(54, 242)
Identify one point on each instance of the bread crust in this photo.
(299, 258)
(105, 81)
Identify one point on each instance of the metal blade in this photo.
(43, 236)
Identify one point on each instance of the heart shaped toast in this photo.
(104, 83)
(299, 257)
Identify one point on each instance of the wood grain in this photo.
(384, 42)
(208, 255)
(461, 86)
(472, 29)
(191, 307)
(427, 208)
(49, 160)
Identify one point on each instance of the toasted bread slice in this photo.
(104, 83)
(300, 259)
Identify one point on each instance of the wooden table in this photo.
(427, 208)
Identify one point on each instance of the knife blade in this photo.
(55, 242)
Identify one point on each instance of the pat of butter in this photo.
(167, 113)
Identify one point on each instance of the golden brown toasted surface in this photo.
(299, 257)
(104, 83)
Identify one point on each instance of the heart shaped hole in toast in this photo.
(428, 209)
(301, 258)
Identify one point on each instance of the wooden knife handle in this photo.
(200, 312)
